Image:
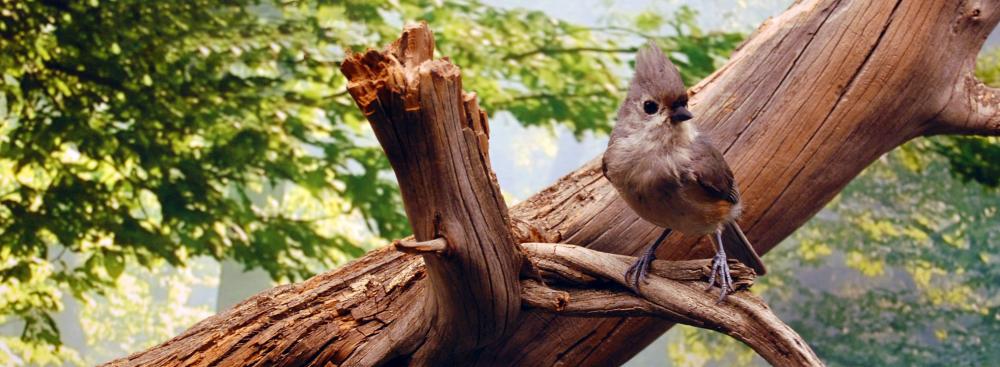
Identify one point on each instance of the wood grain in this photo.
(675, 291)
(436, 139)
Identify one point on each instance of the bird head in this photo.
(656, 94)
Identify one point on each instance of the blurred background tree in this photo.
(141, 142)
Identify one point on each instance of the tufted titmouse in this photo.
(669, 174)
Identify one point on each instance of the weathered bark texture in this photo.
(812, 98)
(436, 139)
(675, 292)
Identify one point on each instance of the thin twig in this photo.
(554, 51)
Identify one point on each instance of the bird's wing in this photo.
(712, 173)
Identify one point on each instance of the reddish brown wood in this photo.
(436, 139)
(811, 99)
(675, 292)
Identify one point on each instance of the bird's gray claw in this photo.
(637, 272)
(720, 274)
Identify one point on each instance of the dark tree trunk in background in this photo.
(810, 100)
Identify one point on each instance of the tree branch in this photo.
(553, 51)
(551, 96)
(974, 109)
(435, 137)
(87, 76)
(435, 246)
(675, 291)
(585, 302)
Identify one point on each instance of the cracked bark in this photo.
(813, 97)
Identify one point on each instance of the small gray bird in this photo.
(671, 175)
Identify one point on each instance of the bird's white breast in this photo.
(654, 179)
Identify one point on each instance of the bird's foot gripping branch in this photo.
(482, 269)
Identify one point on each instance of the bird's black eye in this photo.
(650, 107)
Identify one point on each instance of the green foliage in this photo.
(145, 308)
(936, 238)
(972, 158)
(697, 54)
(543, 70)
(138, 133)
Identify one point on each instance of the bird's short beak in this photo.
(680, 114)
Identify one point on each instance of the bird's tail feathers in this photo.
(737, 246)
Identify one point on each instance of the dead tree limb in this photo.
(813, 97)
(675, 292)
(436, 139)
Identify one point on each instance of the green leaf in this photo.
(115, 264)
